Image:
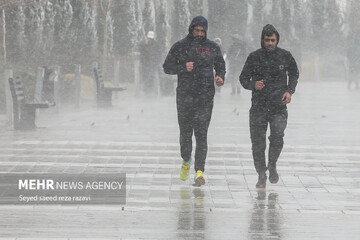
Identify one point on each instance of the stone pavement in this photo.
(318, 195)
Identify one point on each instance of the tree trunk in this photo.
(3, 35)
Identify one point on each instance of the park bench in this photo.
(103, 94)
(24, 113)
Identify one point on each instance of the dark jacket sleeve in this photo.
(220, 68)
(246, 74)
(293, 73)
(172, 64)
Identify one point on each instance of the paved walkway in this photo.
(318, 195)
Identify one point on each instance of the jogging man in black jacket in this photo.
(271, 74)
(194, 59)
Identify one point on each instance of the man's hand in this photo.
(259, 85)
(189, 66)
(286, 98)
(219, 81)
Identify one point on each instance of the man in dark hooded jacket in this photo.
(271, 74)
(194, 59)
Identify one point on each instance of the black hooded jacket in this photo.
(277, 68)
(206, 56)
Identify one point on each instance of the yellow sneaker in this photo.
(199, 179)
(185, 169)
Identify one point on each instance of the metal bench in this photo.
(24, 113)
(103, 94)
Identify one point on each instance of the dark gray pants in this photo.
(194, 116)
(259, 120)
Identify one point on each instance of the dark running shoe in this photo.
(261, 181)
(273, 175)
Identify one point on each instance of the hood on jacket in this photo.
(269, 30)
(198, 21)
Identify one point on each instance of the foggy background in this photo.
(319, 166)
(36, 33)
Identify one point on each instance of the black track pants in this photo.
(194, 116)
(259, 120)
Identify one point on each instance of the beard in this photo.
(270, 48)
(199, 39)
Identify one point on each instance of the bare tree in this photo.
(105, 7)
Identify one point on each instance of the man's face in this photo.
(270, 42)
(199, 32)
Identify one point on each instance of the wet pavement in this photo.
(318, 194)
